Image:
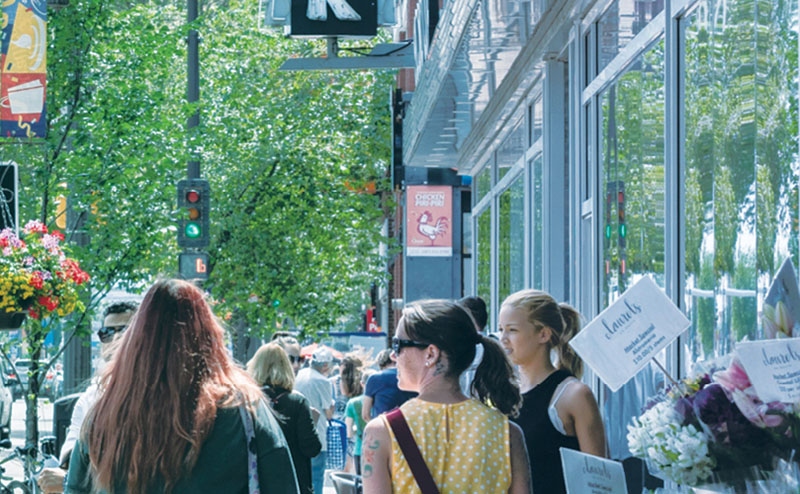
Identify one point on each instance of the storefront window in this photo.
(511, 241)
(511, 150)
(484, 257)
(741, 179)
(623, 20)
(483, 184)
(537, 237)
(631, 193)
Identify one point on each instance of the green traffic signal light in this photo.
(622, 230)
(192, 230)
(608, 231)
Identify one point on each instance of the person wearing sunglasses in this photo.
(116, 318)
(444, 441)
(381, 393)
(292, 349)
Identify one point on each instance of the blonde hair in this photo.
(564, 321)
(270, 366)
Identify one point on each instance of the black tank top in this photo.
(541, 438)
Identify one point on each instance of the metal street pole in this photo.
(192, 89)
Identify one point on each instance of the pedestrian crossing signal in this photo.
(193, 265)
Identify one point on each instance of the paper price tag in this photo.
(620, 341)
(589, 474)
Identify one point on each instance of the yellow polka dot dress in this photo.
(465, 446)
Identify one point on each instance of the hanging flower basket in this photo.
(37, 279)
(14, 319)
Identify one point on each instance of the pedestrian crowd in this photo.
(449, 409)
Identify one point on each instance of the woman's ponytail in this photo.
(542, 310)
(494, 379)
(567, 358)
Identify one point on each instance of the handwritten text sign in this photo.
(623, 338)
(773, 367)
(588, 474)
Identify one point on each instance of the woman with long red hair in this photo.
(176, 415)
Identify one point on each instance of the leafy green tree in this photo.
(295, 160)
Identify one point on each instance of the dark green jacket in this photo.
(222, 464)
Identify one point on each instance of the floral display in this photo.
(36, 275)
(712, 427)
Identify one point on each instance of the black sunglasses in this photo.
(399, 343)
(296, 359)
(106, 333)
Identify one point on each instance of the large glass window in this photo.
(741, 180)
(511, 241)
(620, 23)
(631, 189)
(511, 150)
(484, 257)
(632, 193)
(537, 238)
(483, 184)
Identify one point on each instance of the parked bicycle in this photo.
(33, 461)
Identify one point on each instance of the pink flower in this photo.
(35, 226)
(734, 377)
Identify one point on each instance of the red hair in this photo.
(161, 391)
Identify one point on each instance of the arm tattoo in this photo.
(368, 456)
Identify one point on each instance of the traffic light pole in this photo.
(192, 89)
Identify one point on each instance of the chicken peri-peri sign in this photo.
(429, 213)
(23, 68)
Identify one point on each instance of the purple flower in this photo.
(734, 377)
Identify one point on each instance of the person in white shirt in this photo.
(116, 318)
(312, 383)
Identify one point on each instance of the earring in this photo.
(427, 364)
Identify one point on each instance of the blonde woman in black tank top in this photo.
(557, 409)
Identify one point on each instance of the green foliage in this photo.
(743, 309)
(287, 154)
(706, 319)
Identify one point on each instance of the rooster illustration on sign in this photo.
(431, 230)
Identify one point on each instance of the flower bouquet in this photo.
(713, 431)
(36, 276)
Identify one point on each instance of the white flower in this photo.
(679, 453)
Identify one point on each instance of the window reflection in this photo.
(623, 20)
(631, 192)
(511, 150)
(483, 184)
(484, 258)
(537, 237)
(511, 240)
(741, 164)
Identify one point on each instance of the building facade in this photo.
(609, 140)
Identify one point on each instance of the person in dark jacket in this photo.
(175, 413)
(270, 367)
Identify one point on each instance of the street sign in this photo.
(317, 18)
(193, 265)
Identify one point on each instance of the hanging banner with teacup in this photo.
(23, 74)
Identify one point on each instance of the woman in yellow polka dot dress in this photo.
(468, 446)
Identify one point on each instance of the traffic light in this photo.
(193, 206)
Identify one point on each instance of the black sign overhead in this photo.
(358, 18)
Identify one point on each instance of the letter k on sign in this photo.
(317, 10)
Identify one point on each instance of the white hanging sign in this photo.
(620, 341)
(773, 367)
(589, 474)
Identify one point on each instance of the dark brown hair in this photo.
(161, 391)
(449, 326)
